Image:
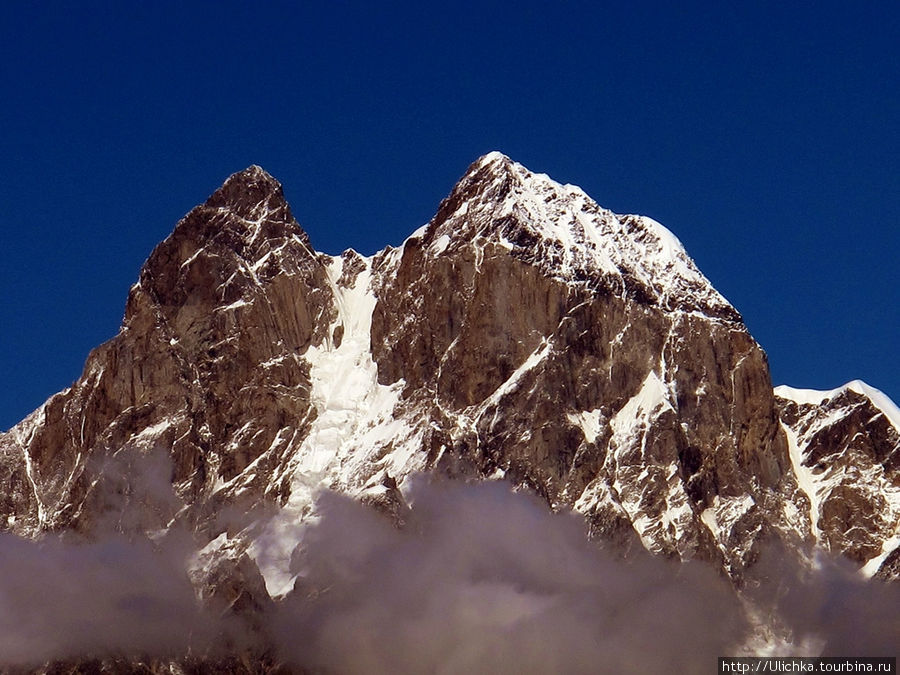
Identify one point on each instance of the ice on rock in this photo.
(355, 421)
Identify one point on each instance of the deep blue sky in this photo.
(765, 135)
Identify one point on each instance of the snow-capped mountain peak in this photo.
(526, 334)
(816, 397)
(500, 203)
(845, 447)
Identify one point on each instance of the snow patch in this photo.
(651, 400)
(872, 566)
(234, 305)
(418, 234)
(805, 479)
(512, 382)
(440, 245)
(151, 433)
(590, 422)
(724, 513)
(806, 396)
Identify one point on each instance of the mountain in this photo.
(525, 334)
(846, 452)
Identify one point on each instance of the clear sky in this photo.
(765, 135)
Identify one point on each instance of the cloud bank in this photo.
(113, 597)
(478, 579)
(484, 580)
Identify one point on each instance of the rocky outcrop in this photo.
(846, 444)
(206, 369)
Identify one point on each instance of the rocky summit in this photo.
(524, 335)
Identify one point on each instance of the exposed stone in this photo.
(851, 450)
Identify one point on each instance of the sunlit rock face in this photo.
(582, 354)
(847, 443)
(207, 368)
(524, 334)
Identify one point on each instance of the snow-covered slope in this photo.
(359, 436)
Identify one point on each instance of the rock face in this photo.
(582, 354)
(208, 366)
(846, 449)
(525, 333)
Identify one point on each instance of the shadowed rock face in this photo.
(524, 333)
